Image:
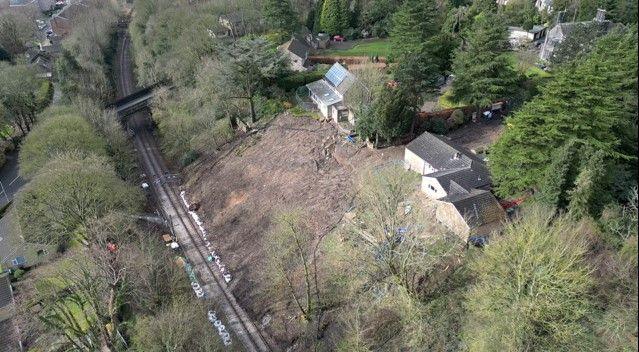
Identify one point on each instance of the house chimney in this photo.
(561, 16)
(601, 15)
(457, 156)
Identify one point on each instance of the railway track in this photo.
(194, 245)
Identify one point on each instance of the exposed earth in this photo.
(294, 163)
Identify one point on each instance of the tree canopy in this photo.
(279, 15)
(57, 134)
(335, 16)
(68, 192)
(593, 101)
(413, 24)
(482, 71)
(532, 288)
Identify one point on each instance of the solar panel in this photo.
(336, 74)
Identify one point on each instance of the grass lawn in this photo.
(526, 63)
(445, 101)
(379, 47)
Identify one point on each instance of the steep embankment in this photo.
(295, 163)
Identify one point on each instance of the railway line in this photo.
(195, 246)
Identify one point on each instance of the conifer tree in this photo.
(279, 15)
(334, 16)
(482, 71)
(585, 198)
(414, 22)
(560, 176)
(591, 100)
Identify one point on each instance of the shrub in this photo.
(290, 82)
(458, 117)
(189, 157)
(18, 273)
(438, 126)
(268, 107)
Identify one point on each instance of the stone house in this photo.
(458, 180)
(297, 51)
(328, 93)
(561, 30)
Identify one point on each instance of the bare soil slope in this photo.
(294, 163)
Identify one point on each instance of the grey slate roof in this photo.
(9, 341)
(6, 294)
(476, 176)
(440, 152)
(478, 207)
(298, 48)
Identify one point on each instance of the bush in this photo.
(44, 95)
(290, 82)
(18, 273)
(438, 126)
(189, 157)
(268, 107)
(458, 117)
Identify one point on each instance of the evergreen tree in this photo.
(317, 16)
(334, 17)
(593, 101)
(279, 15)
(560, 176)
(414, 22)
(345, 14)
(393, 113)
(481, 67)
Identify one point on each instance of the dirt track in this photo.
(294, 163)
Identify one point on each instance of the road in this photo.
(9, 178)
(208, 278)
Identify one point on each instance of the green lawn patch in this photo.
(379, 47)
(445, 101)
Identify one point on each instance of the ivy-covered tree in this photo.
(560, 176)
(414, 22)
(585, 197)
(279, 15)
(482, 70)
(593, 100)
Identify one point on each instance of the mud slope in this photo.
(294, 163)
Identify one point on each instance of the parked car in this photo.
(338, 38)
